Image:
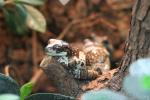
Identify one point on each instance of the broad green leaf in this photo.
(8, 85)
(31, 2)
(15, 17)
(2, 3)
(103, 94)
(136, 87)
(64, 2)
(49, 96)
(26, 90)
(35, 20)
(137, 83)
(9, 97)
(140, 67)
(145, 81)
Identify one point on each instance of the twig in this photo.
(69, 26)
(90, 21)
(37, 72)
(34, 50)
(6, 70)
(36, 76)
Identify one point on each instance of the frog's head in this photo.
(56, 47)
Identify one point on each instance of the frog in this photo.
(97, 56)
(79, 63)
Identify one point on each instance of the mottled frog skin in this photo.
(97, 56)
(86, 63)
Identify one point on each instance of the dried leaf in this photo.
(64, 2)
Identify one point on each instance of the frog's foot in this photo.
(92, 74)
(86, 74)
(101, 67)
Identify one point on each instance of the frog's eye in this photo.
(105, 42)
(56, 46)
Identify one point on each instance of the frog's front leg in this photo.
(85, 74)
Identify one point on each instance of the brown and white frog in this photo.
(86, 63)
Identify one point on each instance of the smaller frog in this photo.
(97, 56)
(78, 63)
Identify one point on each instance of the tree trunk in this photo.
(138, 41)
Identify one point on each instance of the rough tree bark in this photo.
(138, 41)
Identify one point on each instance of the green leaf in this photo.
(26, 90)
(103, 94)
(145, 82)
(2, 3)
(49, 96)
(8, 85)
(9, 97)
(15, 17)
(32, 2)
(35, 20)
(134, 86)
(143, 65)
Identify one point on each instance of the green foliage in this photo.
(9, 90)
(8, 85)
(15, 17)
(35, 20)
(136, 85)
(9, 97)
(20, 16)
(103, 94)
(49, 96)
(26, 90)
(146, 82)
(1, 3)
(31, 2)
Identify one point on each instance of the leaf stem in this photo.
(6, 70)
(34, 50)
